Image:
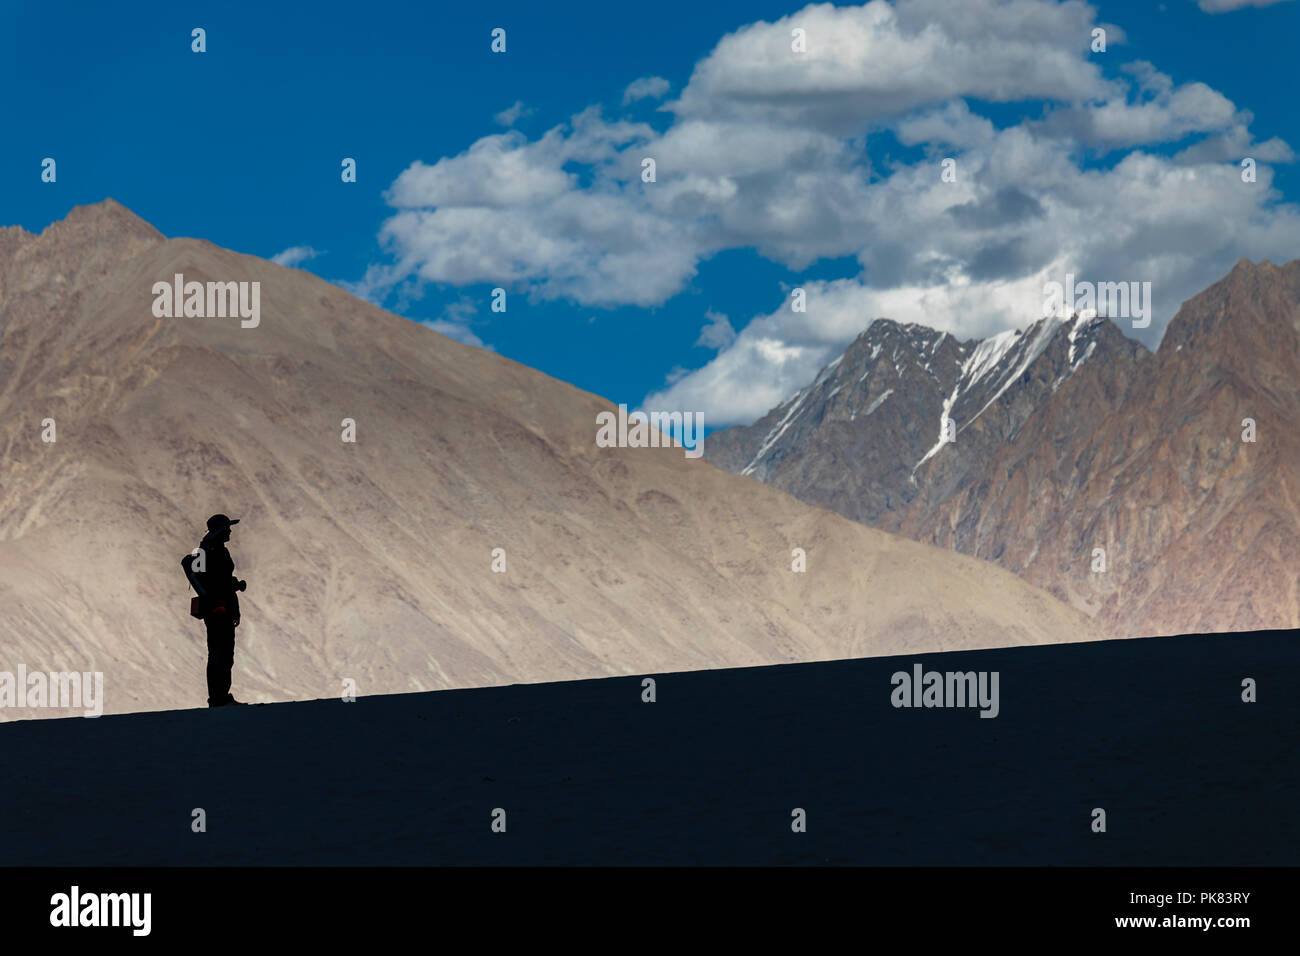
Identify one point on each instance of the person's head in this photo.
(219, 527)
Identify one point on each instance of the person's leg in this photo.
(221, 659)
(227, 659)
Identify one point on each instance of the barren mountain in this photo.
(850, 440)
(373, 560)
(1071, 438)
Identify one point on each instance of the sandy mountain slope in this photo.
(373, 560)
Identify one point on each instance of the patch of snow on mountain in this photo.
(986, 356)
(779, 429)
(1081, 324)
(876, 404)
(1086, 316)
(1041, 337)
(943, 418)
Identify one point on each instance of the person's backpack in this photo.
(196, 602)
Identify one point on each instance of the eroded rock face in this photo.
(373, 560)
(1071, 438)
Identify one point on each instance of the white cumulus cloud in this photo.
(767, 149)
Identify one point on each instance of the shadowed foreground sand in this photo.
(1154, 731)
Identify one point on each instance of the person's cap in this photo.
(218, 522)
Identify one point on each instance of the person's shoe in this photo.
(228, 702)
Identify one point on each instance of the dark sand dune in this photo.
(1154, 731)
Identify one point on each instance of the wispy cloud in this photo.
(717, 332)
(455, 323)
(512, 114)
(1224, 6)
(460, 333)
(646, 88)
(294, 256)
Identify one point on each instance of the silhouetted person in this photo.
(217, 588)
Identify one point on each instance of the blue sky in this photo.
(774, 171)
